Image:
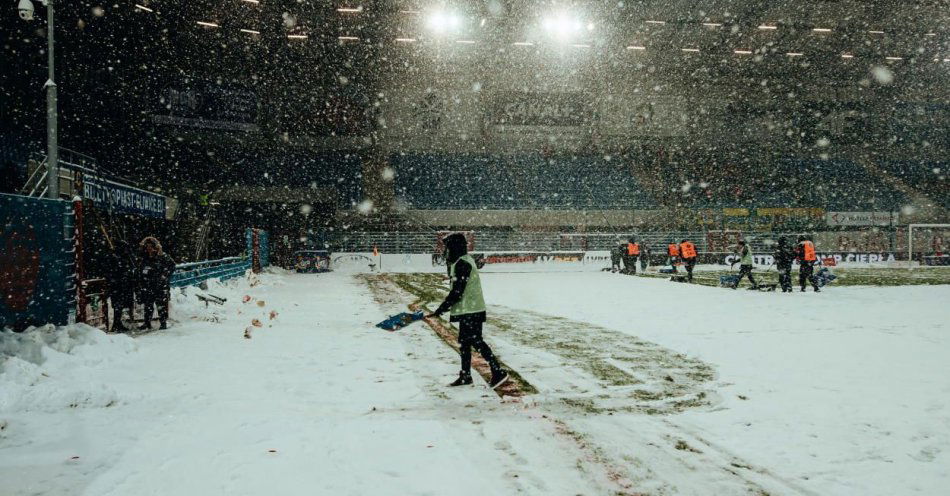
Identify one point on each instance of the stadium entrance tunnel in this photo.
(294, 219)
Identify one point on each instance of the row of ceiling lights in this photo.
(441, 20)
(575, 45)
(561, 25)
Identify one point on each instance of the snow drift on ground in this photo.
(646, 387)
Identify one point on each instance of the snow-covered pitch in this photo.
(644, 387)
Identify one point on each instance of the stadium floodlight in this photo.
(564, 27)
(442, 22)
(25, 10)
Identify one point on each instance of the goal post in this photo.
(930, 241)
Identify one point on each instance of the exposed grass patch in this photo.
(611, 358)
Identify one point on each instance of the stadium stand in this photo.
(830, 184)
(929, 178)
(339, 170)
(517, 182)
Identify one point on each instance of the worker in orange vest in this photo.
(688, 255)
(631, 256)
(807, 258)
(673, 251)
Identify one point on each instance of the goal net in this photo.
(928, 244)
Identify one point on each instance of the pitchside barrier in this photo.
(565, 261)
(37, 283)
(875, 240)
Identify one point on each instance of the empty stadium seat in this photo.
(516, 182)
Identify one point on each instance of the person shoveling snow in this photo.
(467, 306)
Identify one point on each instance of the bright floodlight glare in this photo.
(444, 21)
(564, 27)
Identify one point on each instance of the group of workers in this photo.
(685, 253)
(630, 253)
(784, 256)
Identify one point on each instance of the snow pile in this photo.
(49, 368)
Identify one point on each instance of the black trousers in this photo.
(690, 263)
(152, 299)
(121, 298)
(629, 264)
(615, 263)
(470, 335)
(785, 277)
(745, 270)
(806, 271)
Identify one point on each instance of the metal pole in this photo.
(52, 145)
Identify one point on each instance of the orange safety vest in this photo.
(688, 249)
(673, 250)
(808, 251)
(633, 248)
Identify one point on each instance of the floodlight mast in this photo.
(25, 11)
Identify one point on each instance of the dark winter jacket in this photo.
(456, 246)
(121, 270)
(784, 254)
(617, 253)
(155, 273)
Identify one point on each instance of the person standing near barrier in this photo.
(688, 255)
(120, 276)
(616, 253)
(745, 265)
(806, 263)
(645, 258)
(466, 304)
(784, 256)
(156, 271)
(633, 254)
(673, 251)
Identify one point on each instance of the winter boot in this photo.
(465, 378)
(498, 378)
(148, 325)
(163, 325)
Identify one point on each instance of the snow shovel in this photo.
(399, 321)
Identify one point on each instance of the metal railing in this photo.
(189, 274)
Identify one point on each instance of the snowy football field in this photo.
(644, 387)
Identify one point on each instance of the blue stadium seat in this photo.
(516, 182)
